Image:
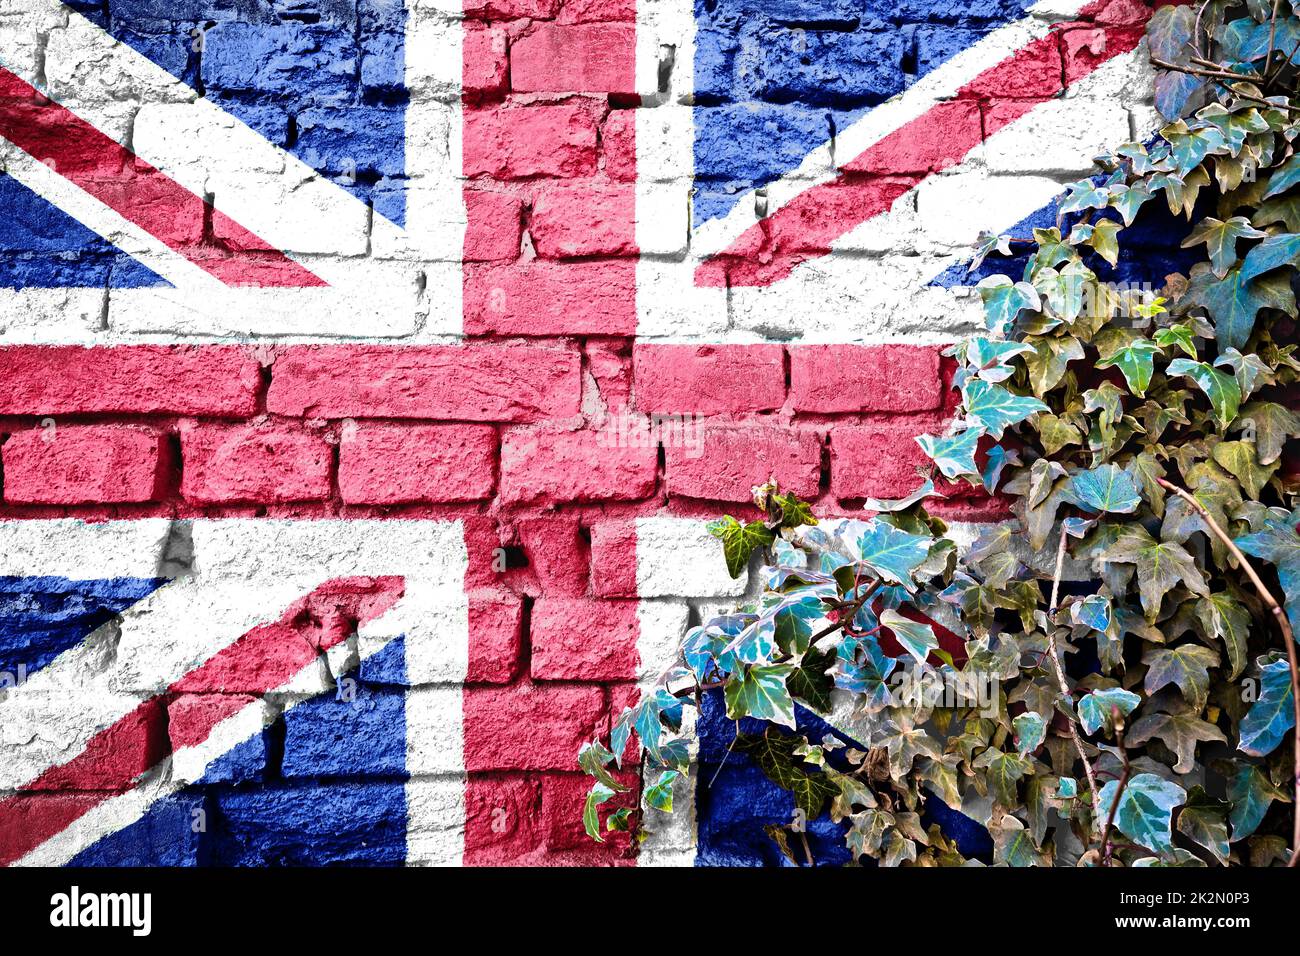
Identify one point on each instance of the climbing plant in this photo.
(1108, 677)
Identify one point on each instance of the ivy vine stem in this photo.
(1119, 790)
(1065, 687)
(1279, 615)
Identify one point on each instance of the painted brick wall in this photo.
(506, 425)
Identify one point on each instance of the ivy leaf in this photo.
(740, 541)
(893, 554)
(991, 357)
(1239, 459)
(794, 620)
(1204, 820)
(811, 683)
(1283, 178)
(917, 639)
(1105, 489)
(1221, 239)
(1013, 844)
(1093, 611)
(594, 758)
(1104, 239)
(1273, 253)
(1222, 390)
(1225, 618)
(1278, 543)
(760, 691)
(1179, 335)
(1050, 360)
(775, 756)
(660, 796)
(1180, 732)
(1160, 565)
(1096, 708)
(995, 407)
(862, 668)
(598, 794)
(1234, 301)
(1144, 811)
(1273, 424)
(1187, 666)
(1251, 370)
(1137, 362)
(1031, 731)
(1003, 771)
(954, 455)
(1251, 793)
(1270, 717)
(1004, 300)
(1189, 147)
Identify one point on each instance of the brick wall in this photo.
(506, 426)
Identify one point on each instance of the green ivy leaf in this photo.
(1225, 618)
(1222, 390)
(1181, 732)
(1160, 565)
(1179, 335)
(1270, 717)
(775, 756)
(1137, 362)
(740, 541)
(1187, 666)
(1251, 793)
(1144, 811)
(893, 554)
(1273, 253)
(1031, 731)
(954, 455)
(1004, 300)
(1273, 424)
(660, 796)
(760, 691)
(1239, 459)
(917, 639)
(1278, 543)
(1235, 300)
(1283, 178)
(1097, 708)
(594, 758)
(1204, 820)
(1105, 489)
(598, 794)
(1003, 771)
(995, 408)
(1221, 239)
(811, 683)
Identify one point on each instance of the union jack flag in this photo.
(205, 675)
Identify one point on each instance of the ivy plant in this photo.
(1141, 672)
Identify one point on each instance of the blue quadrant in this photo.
(41, 617)
(43, 247)
(280, 798)
(323, 79)
(774, 79)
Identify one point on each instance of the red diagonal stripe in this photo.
(137, 191)
(266, 657)
(805, 228)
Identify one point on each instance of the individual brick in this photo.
(584, 219)
(551, 298)
(865, 378)
(582, 58)
(725, 462)
(80, 464)
(265, 464)
(495, 638)
(545, 465)
(878, 460)
(494, 227)
(210, 380)
(584, 640)
(529, 726)
(507, 383)
(383, 464)
(709, 379)
(516, 142)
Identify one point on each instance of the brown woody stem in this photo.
(1288, 638)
